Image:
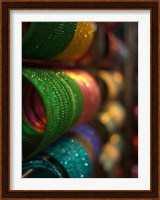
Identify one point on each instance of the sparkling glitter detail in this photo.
(47, 39)
(80, 43)
(90, 91)
(62, 108)
(76, 166)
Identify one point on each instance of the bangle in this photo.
(90, 135)
(30, 114)
(66, 158)
(42, 168)
(47, 39)
(63, 103)
(110, 84)
(90, 91)
(116, 54)
(72, 156)
(80, 43)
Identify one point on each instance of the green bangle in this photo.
(63, 102)
(47, 39)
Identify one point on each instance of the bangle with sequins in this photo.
(67, 41)
(90, 91)
(62, 103)
(65, 158)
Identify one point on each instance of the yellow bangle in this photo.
(80, 43)
(107, 78)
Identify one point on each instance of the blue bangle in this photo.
(72, 156)
(42, 169)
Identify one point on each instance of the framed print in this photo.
(79, 99)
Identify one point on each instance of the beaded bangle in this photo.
(47, 39)
(63, 103)
(72, 156)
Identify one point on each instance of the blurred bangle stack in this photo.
(80, 100)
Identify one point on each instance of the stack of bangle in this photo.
(90, 91)
(58, 40)
(40, 167)
(66, 158)
(62, 106)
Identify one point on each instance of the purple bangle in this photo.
(90, 134)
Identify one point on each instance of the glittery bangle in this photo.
(72, 156)
(90, 135)
(63, 103)
(90, 91)
(66, 158)
(47, 39)
(80, 43)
